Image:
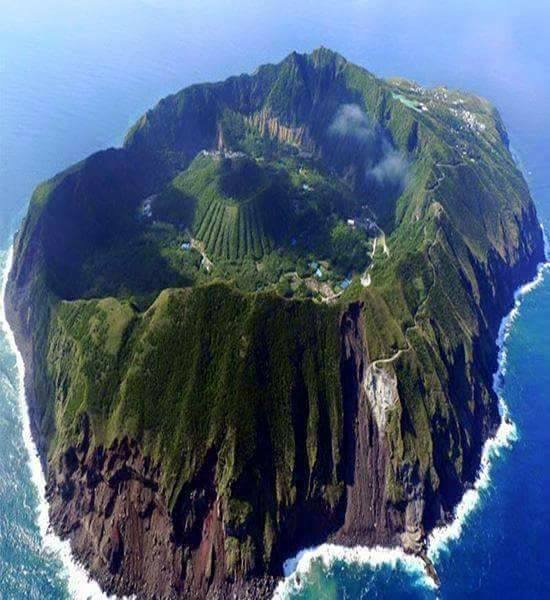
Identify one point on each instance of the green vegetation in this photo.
(241, 208)
(350, 247)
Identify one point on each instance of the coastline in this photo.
(297, 568)
(504, 437)
(79, 583)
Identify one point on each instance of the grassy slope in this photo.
(210, 369)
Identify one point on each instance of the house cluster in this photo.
(324, 284)
(222, 153)
(365, 223)
(470, 119)
(317, 269)
(345, 283)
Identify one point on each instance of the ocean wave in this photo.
(439, 538)
(80, 585)
(296, 569)
(506, 433)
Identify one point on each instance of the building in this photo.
(147, 207)
(345, 284)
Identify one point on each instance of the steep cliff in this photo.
(267, 321)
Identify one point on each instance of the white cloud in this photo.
(351, 121)
(391, 169)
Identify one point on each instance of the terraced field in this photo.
(234, 230)
(232, 222)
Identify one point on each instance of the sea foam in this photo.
(296, 569)
(80, 585)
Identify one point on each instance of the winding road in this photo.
(381, 361)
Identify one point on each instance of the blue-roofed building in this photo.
(345, 284)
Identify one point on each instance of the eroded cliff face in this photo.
(370, 393)
(269, 125)
(111, 504)
(366, 519)
(108, 503)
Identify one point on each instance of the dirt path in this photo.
(366, 279)
(381, 361)
(332, 297)
(408, 347)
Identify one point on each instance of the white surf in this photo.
(80, 585)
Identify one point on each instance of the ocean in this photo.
(74, 76)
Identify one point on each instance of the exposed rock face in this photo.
(366, 519)
(269, 125)
(381, 391)
(108, 503)
(369, 392)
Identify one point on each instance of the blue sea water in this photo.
(74, 76)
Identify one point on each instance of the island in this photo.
(268, 321)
